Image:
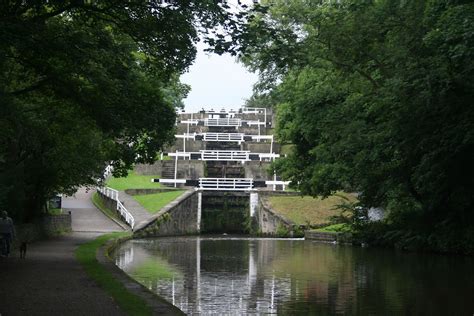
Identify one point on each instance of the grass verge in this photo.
(133, 181)
(336, 228)
(99, 203)
(128, 302)
(308, 210)
(154, 202)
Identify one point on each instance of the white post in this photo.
(271, 146)
(199, 212)
(253, 203)
(198, 273)
(175, 168)
(265, 111)
(274, 179)
(259, 130)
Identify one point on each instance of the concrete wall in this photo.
(179, 217)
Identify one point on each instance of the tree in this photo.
(87, 83)
(377, 98)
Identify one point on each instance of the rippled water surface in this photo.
(238, 276)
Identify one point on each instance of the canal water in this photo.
(252, 276)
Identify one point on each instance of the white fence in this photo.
(224, 137)
(226, 184)
(113, 194)
(225, 155)
(223, 122)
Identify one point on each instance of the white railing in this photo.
(223, 137)
(225, 155)
(190, 122)
(187, 136)
(222, 122)
(113, 194)
(171, 181)
(180, 154)
(109, 192)
(226, 184)
(262, 137)
(271, 156)
(275, 183)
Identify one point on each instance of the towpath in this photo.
(50, 281)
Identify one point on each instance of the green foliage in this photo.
(154, 202)
(84, 84)
(337, 228)
(282, 231)
(86, 255)
(377, 98)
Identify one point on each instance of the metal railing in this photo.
(222, 122)
(225, 155)
(226, 184)
(223, 137)
(124, 213)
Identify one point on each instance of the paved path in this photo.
(85, 216)
(50, 281)
(139, 213)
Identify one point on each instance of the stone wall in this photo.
(48, 226)
(331, 237)
(225, 212)
(57, 224)
(187, 169)
(257, 170)
(179, 217)
(269, 222)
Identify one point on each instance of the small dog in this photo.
(23, 247)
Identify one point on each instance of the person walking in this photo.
(7, 232)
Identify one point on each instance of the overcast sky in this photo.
(217, 82)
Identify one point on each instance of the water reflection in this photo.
(236, 276)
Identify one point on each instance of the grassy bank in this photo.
(133, 181)
(128, 302)
(308, 210)
(154, 202)
(99, 203)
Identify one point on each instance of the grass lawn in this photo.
(154, 202)
(85, 254)
(133, 181)
(304, 210)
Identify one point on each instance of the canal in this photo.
(238, 276)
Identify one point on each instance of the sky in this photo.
(217, 82)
